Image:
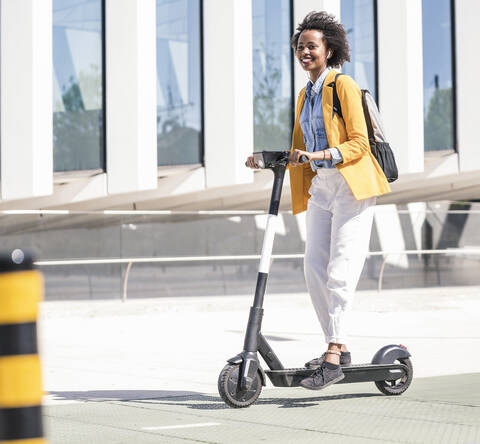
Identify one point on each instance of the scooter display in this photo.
(240, 381)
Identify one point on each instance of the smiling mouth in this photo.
(306, 60)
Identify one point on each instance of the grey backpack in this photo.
(379, 146)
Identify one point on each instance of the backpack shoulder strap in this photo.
(366, 113)
(337, 106)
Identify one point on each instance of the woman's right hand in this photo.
(250, 163)
(299, 157)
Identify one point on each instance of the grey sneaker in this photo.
(345, 360)
(325, 375)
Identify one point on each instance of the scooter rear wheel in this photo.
(229, 387)
(397, 387)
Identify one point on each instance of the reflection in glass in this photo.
(77, 85)
(437, 75)
(272, 77)
(179, 115)
(357, 16)
(95, 235)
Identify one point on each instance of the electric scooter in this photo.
(240, 381)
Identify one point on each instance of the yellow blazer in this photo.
(349, 135)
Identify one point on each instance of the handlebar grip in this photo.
(303, 159)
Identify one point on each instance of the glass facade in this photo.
(78, 131)
(272, 75)
(358, 18)
(438, 75)
(179, 92)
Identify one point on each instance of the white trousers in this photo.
(338, 235)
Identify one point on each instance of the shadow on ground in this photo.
(193, 400)
(459, 390)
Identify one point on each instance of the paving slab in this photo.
(146, 371)
(434, 410)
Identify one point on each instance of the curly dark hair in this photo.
(334, 36)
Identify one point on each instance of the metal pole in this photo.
(125, 281)
(380, 276)
(21, 289)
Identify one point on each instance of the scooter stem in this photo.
(271, 227)
(279, 173)
(256, 311)
(250, 363)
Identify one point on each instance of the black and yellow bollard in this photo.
(21, 289)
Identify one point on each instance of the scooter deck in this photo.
(291, 377)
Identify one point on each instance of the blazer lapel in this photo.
(298, 142)
(327, 104)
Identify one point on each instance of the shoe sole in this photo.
(333, 381)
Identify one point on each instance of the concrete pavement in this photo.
(146, 371)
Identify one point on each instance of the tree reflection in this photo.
(177, 143)
(78, 132)
(438, 121)
(271, 112)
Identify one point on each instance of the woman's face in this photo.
(311, 52)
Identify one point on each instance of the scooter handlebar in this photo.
(302, 159)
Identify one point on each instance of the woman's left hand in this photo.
(295, 157)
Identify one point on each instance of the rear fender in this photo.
(390, 353)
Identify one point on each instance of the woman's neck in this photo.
(314, 75)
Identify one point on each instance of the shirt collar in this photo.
(315, 88)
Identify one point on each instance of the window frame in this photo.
(375, 51)
(290, 71)
(292, 65)
(104, 86)
(453, 54)
(374, 90)
(201, 148)
(73, 174)
(454, 75)
(201, 145)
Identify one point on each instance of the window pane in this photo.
(437, 75)
(272, 76)
(358, 18)
(77, 85)
(179, 114)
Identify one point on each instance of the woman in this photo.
(337, 188)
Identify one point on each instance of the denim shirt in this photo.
(313, 126)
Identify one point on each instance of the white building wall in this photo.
(26, 98)
(400, 80)
(131, 122)
(228, 91)
(468, 94)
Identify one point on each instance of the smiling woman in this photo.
(338, 188)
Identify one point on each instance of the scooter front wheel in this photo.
(398, 386)
(229, 387)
